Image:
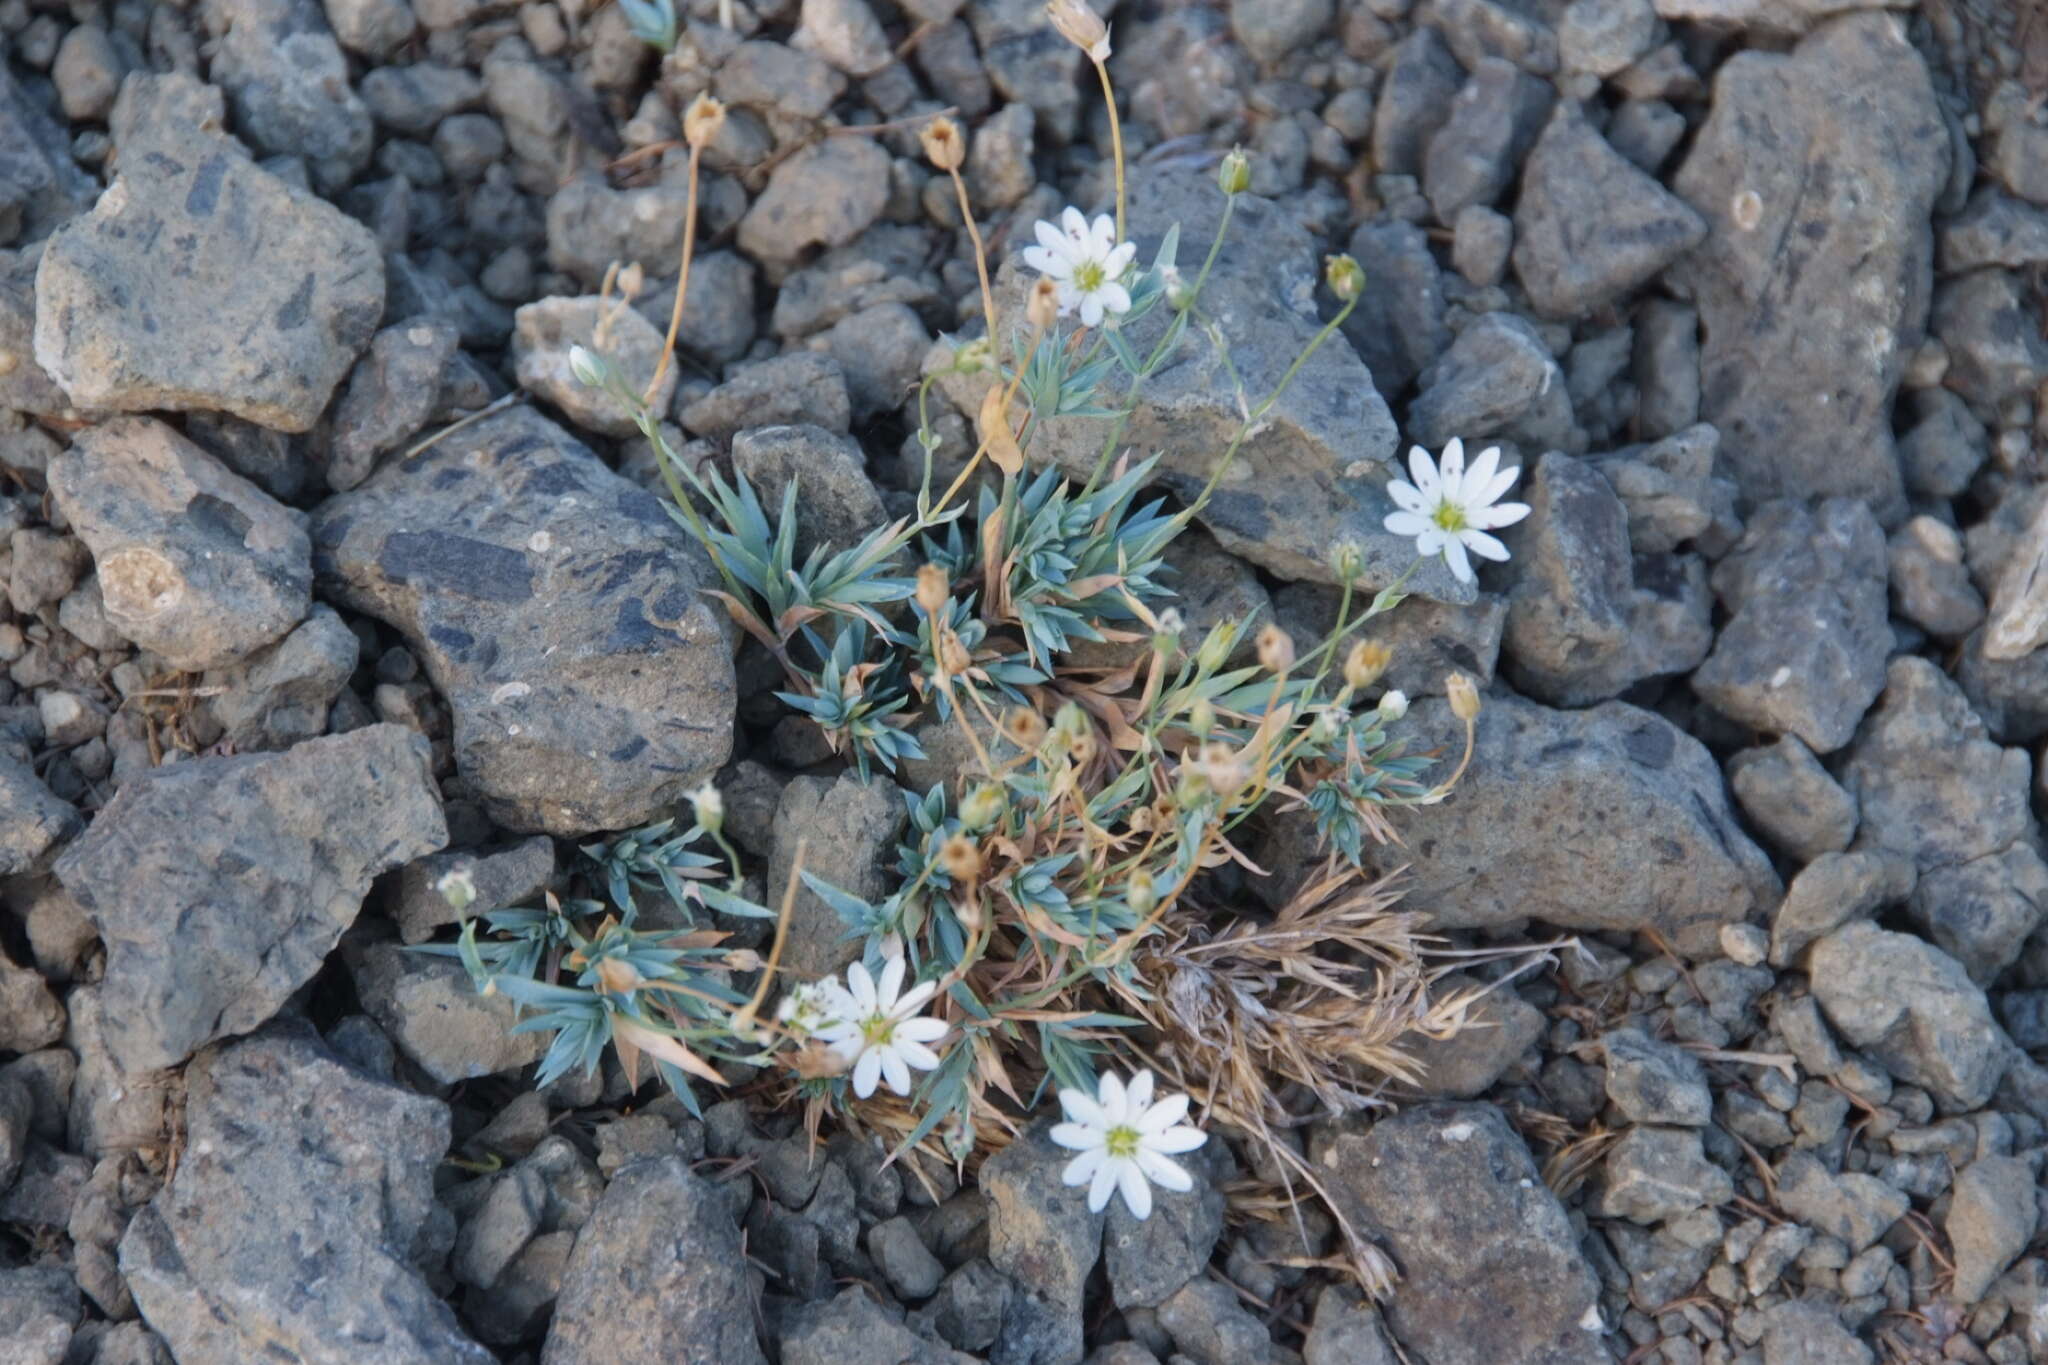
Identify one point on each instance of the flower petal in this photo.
(1091, 309)
(1082, 1168)
(1074, 225)
(916, 1054)
(1423, 470)
(1451, 470)
(891, 984)
(861, 986)
(912, 1000)
(1484, 545)
(1111, 1092)
(1119, 260)
(1078, 1137)
(1137, 1191)
(1174, 1140)
(1164, 1114)
(866, 1072)
(1454, 555)
(1102, 235)
(1498, 485)
(895, 1070)
(1081, 1107)
(1164, 1172)
(1430, 541)
(1407, 496)
(1115, 298)
(1499, 515)
(1407, 523)
(1105, 1181)
(922, 1030)
(1138, 1095)
(1050, 237)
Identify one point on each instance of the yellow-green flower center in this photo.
(1449, 517)
(876, 1029)
(1121, 1141)
(1089, 276)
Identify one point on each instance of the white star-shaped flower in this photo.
(1125, 1142)
(1086, 262)
(877, 1032)
(1450, 510)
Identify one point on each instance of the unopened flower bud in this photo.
(1042, 304)
(1140, 893)
(970, 914)
(1202, 717)
(1178, 295)
(1234, 175)
(1081, 26)
(1346, 277)
(944, 144)
(1464, 696)
(960, 858)
(1366, 661)
(587, 368)
(1082, 747)
(1166, 638)
(1070, 720)
(1216, 647)
(974, 357)
(983, 806)
(710, 807)
(934, 587)
(702, 121)
(1394, 704)
(616, 976)
(1347, 557)
(1276, 649)
(1224, 770)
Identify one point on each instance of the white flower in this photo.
(1394, 704)
(808, 1008)
(877, 1032)
(1086, 262)
(1450, 511)
(710, 806)
(1124, 1141)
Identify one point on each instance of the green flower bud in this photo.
(1234, 176)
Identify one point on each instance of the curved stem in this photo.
(1116, 143)
(675, 314)
(988, 297)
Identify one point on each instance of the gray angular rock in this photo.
(1810, 297)
(1792, 800)
(1990, 1221)
(1832, 890)
(1422, 79)
(1148, 1260)
(1931, 583)
(288, 82)
(1851, 1206)
(497, 877)
(544, 335)
(1914, 1008)
(1993, 229)
(292, 1220)
(39, 1309)
(1310, 474)
(904, 1260)
(1607, 818)
(836, 504)
(852, 1329)
(825, 195)
(1398, 327)
(33, 819)
(282, 693)
(795, 387)
(1480, 242)
(845, 33)
(393, 391)
(31, 1016)
(718, 307)
(657, 1277)
(590, 225)
(1468, 1063)
(219, 885)
(1430, 1178)
(1045, 1239)
(848, 828)
(1653, 1174)
(41, 185)
(1346, 1331)
(150, 302)
(1655, 1082)
(372, 28)
(1605, 37)
(1493, 122)
(1805, 647)
(433, 1012)
(1210, 1327)
(1497, 379)
(1589, 225)
(555, 606)
(1994, 358)
(879, 350)
(194, 562)
(1671, 493)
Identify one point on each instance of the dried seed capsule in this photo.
(944, 144)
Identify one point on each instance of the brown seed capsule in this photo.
(1276, 649)
(1024, 727)
(953, 656)
(934, 587)
(1464, 696)
(1042, 304)
(944, 144)
(1365, 663)
(702, 121)
(960, 858)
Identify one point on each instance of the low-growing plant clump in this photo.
(1063, 912)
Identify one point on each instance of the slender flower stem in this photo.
(1116, 141)
(988, 297)
(675, 314)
